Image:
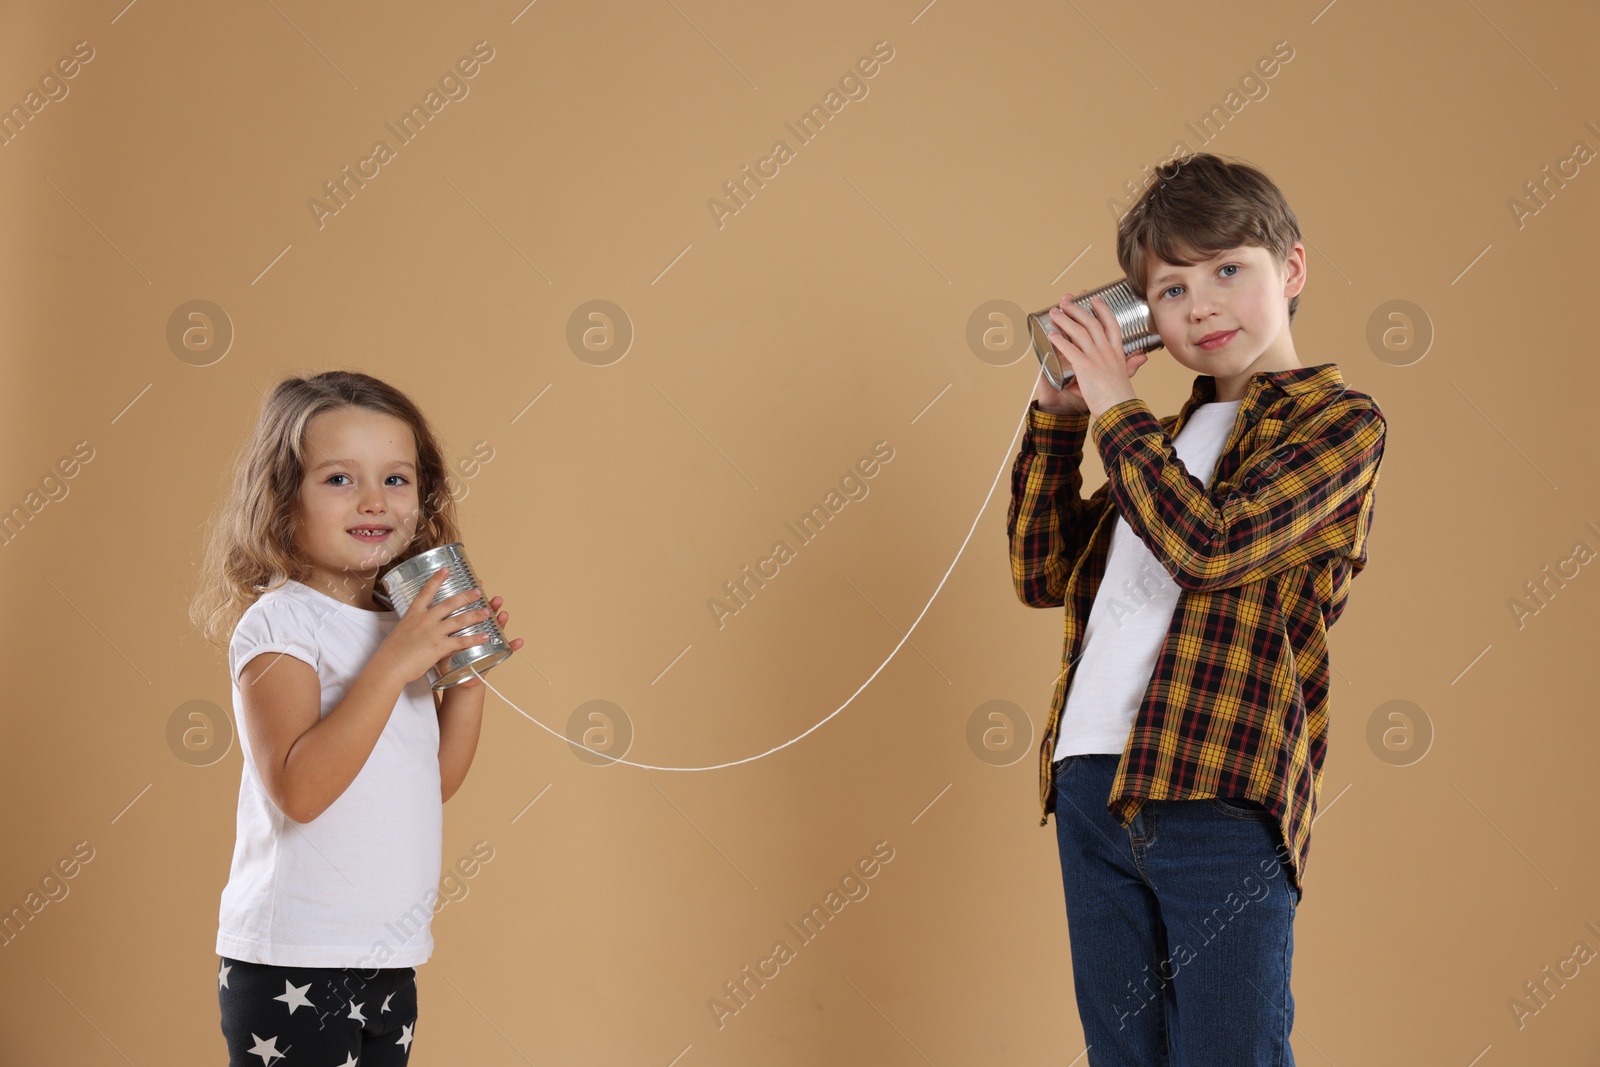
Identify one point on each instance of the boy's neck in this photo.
(1233, 386)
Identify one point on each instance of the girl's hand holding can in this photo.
(423, 636)
(514, 643)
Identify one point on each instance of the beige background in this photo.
(769, 355)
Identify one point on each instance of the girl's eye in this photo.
(1227, 266)
(400, 476)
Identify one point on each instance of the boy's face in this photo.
(361, 471)
(1241, 294)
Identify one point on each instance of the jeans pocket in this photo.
(1241, 808)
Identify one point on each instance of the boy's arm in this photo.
(1300, 500)
(1049, 522)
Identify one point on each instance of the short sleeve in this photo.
(272, 624)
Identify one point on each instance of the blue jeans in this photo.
(1181, 926)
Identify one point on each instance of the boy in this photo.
(1183, 756)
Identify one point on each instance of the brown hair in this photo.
(1197, 205)
(250, 549)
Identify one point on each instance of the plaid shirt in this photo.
(1263, 557)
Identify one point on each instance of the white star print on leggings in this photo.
(319, 1014)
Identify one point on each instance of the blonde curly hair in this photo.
(251, 549)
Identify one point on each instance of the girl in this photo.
(348, 754)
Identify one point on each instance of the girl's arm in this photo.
(307, 760)
(460, 718)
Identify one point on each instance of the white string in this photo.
(777, 748)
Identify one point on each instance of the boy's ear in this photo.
(1294, 268)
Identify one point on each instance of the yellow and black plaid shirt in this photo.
(1263, 557)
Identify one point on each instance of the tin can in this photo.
(402, 583)
(1133, 319)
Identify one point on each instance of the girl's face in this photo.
(1241, 293)
(361, 475)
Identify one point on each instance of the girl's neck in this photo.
(347, 587)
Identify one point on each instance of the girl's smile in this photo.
(371, 533)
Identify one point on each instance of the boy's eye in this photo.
(1226, 266)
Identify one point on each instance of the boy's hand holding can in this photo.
(1092, 346)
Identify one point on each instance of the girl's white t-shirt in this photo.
(1132, 611)
(356, 886)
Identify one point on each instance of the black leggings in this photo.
(322, 1014)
